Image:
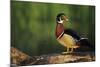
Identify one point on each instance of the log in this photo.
(21, 59)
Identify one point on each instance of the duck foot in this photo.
(64, 53)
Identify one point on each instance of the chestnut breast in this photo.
(59, 29)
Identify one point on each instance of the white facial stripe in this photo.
(60, 21)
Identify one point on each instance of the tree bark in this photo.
(21, 59)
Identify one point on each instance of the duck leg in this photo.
(71, 50)
(66, 51)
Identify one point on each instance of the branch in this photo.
(20, 58)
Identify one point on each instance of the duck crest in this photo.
(59, 30)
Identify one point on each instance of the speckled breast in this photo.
(59, 30)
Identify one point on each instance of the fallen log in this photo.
(21, 59)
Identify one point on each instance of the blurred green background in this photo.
(33, 25)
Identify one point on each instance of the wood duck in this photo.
(67, 37)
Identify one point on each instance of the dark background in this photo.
(33, 25)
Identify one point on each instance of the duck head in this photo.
(61, 18)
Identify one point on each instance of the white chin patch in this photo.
(60, 21)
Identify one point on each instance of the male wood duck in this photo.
(67, 37)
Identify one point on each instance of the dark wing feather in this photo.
(85, 45)
(85, 42)
(82, 41)
(72, 33)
